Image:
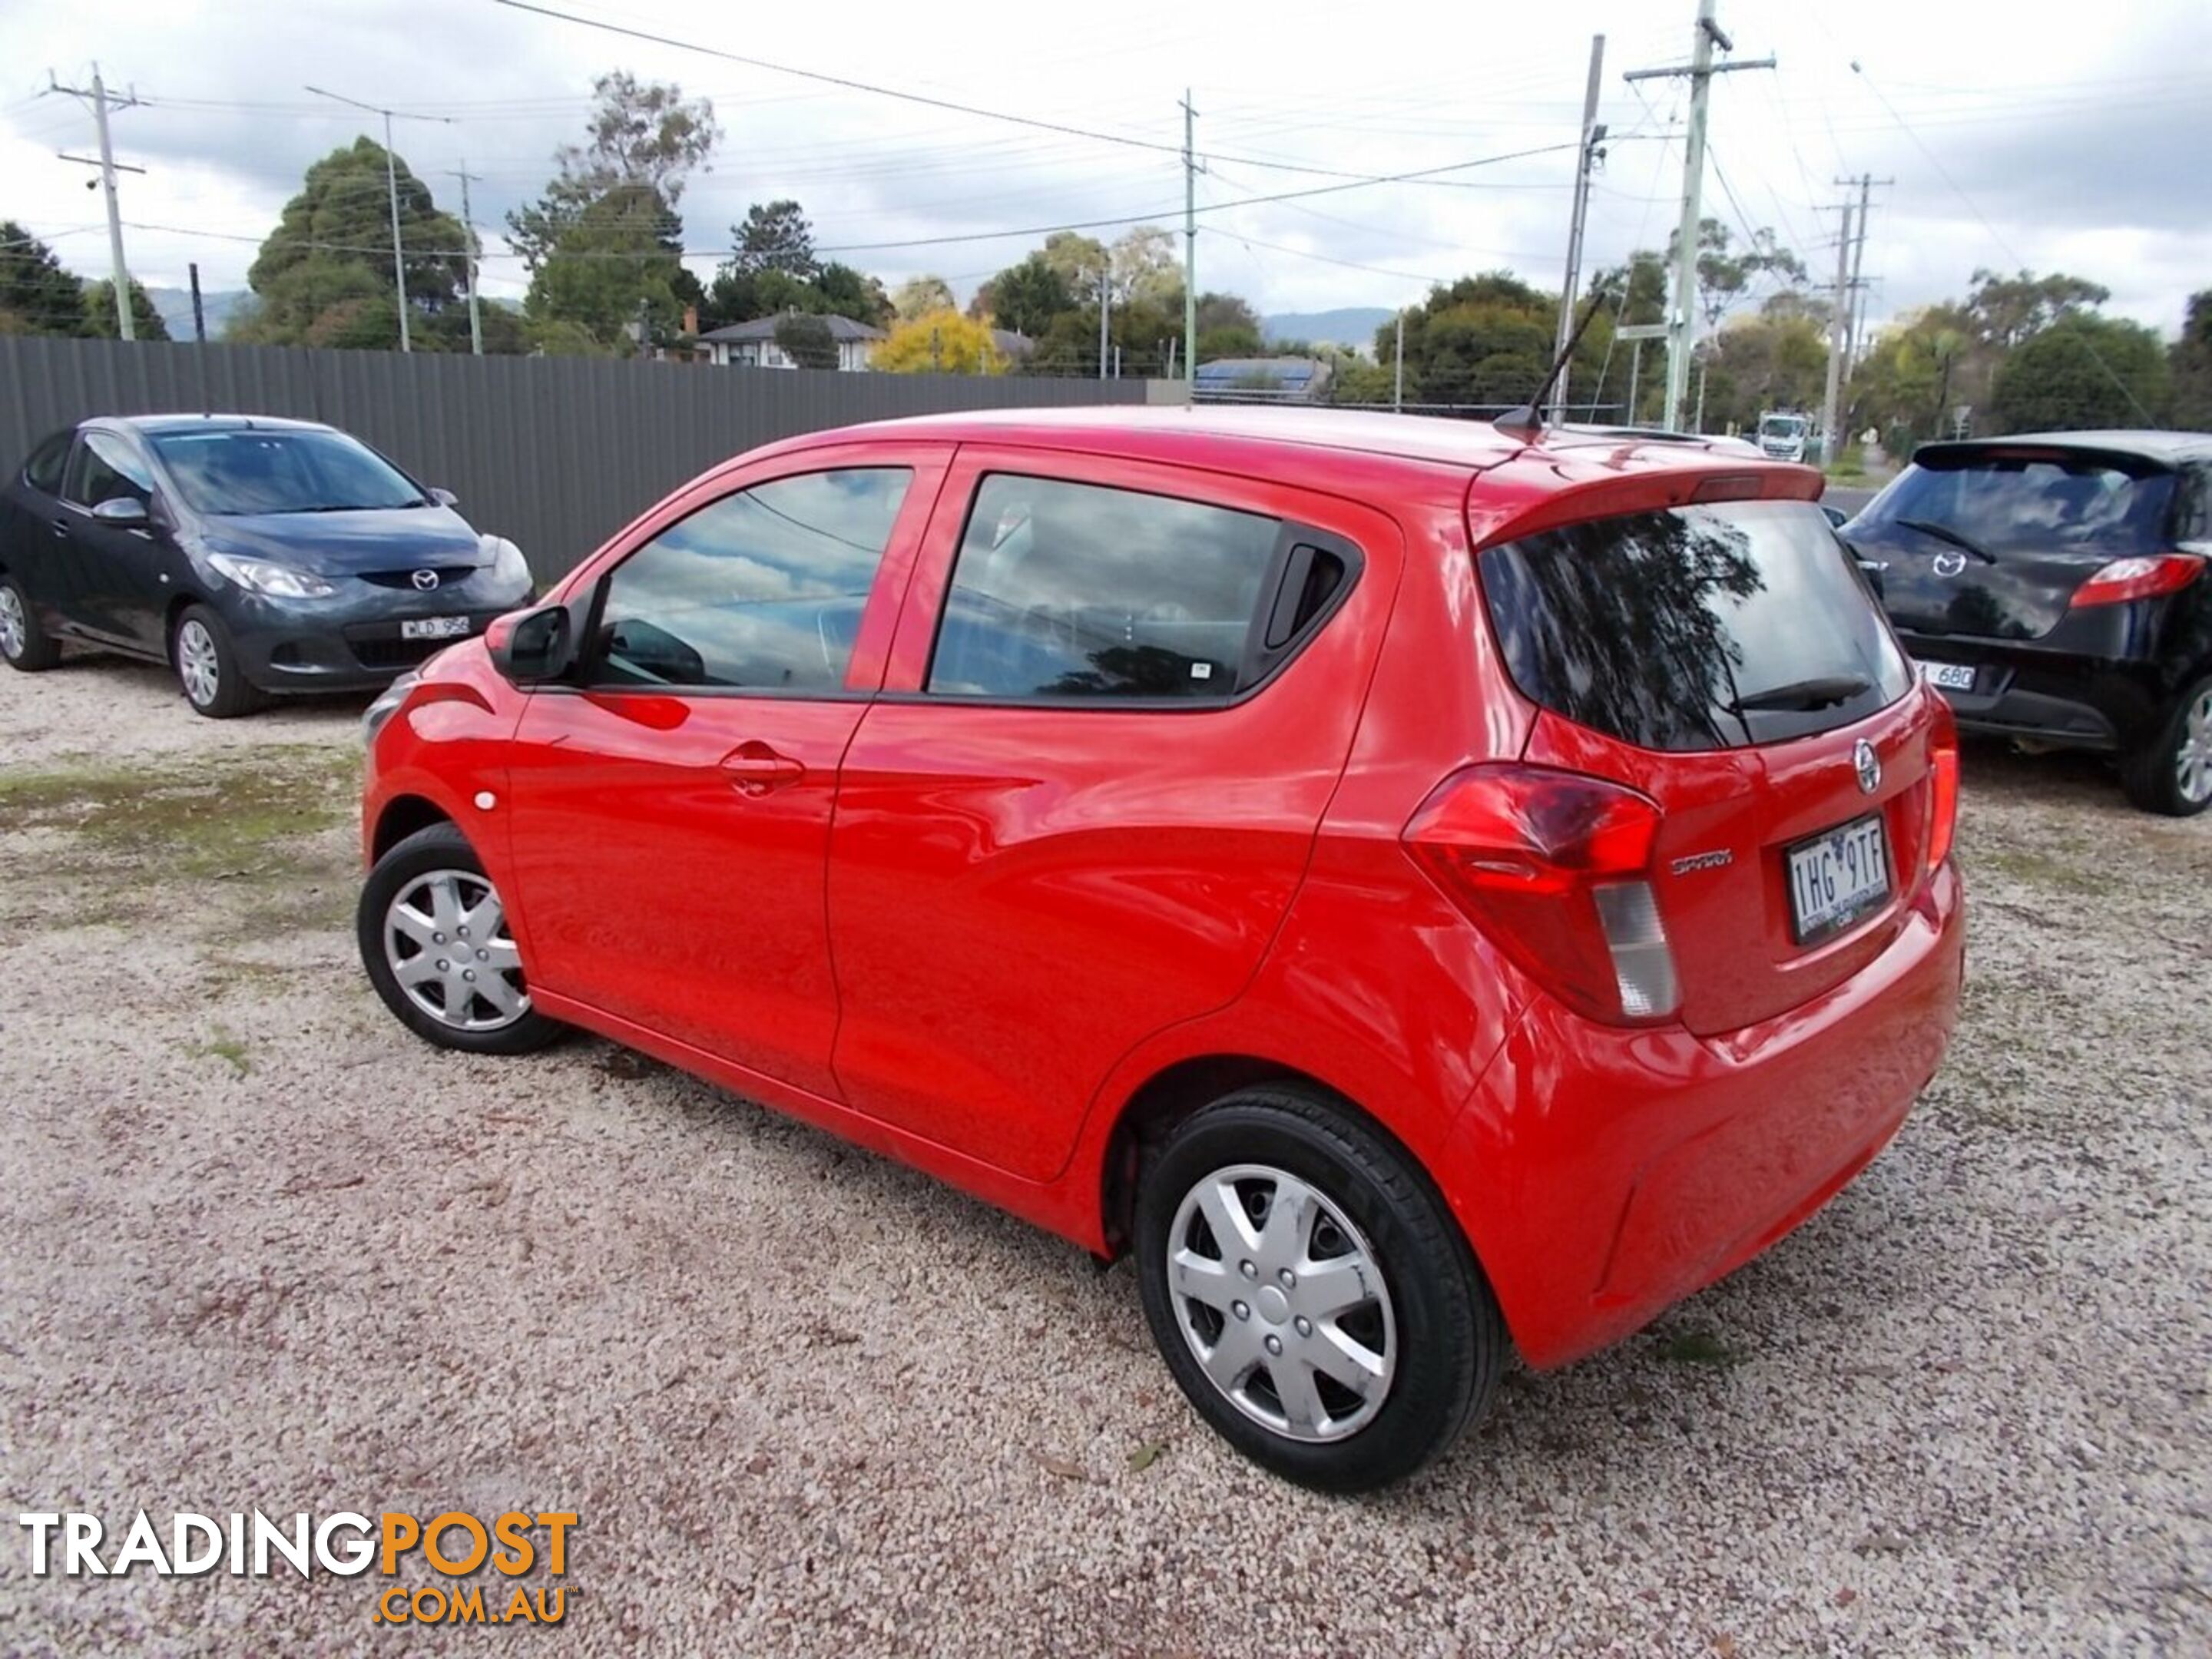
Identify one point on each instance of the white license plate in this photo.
(1836, 878)
(434, 628)
(1948, 675)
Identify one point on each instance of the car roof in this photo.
(1189, 431)
(151, 424)
(2165, 448)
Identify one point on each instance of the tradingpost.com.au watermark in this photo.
(454, 1546)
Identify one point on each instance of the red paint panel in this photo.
(1019, 895)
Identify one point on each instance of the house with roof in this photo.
(752, 345)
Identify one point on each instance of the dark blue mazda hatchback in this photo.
(253, 556)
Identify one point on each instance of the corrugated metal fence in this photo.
(557, 453)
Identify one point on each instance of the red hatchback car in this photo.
(1418, 887)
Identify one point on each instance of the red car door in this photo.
(1119, 697)
(670, 810)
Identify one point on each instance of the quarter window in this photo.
(1074, 589)
(760, 591)
(104, 470)
(43, 472)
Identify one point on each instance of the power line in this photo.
(932, 102)
(1944, 173)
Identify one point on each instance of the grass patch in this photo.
(1698, 1348)
(225, 1047)
(2037, 869)
(254, 818)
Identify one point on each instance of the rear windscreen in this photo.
(1701, 628)
(2035, 504)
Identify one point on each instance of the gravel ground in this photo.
(271, 1251)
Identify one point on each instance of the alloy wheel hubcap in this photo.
(2192, 763)
(447, 942)
(196, 663)
(1283, 1303)
(13, 629)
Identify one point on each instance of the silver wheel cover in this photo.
(197, 665)
(15, 627)
(1283, 1303)
(2193, 759)
(445, 940)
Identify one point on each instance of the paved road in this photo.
(1848, 501)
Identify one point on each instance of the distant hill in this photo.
(175, 304)
(1350, 325)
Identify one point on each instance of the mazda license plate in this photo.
(1836, 878)
(434, 628)
(1948, 675)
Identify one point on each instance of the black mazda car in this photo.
(253, 556)
(2053, 587)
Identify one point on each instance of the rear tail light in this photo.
(1554, 867)
(1943, 782)
(2139, 578)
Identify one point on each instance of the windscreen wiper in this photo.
(1823, 692)
(1964, 544)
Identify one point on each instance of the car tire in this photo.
(23, 641)
(417, 910)
(206, 665)
(2171, 773)
(1372, 1278)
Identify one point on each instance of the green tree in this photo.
(2081, 372)
(1024, 297)
(1227, 327)
(332, 246)
(806, 340)
(1777, 359)
(2005, 311)
(775, 237)
(146, 323)
(1487, 342)
(1724, 274)
(920, 296)
(603, 244)
(37, 295)
(2190, 364)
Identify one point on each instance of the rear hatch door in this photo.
(1729, 662)
(1990, 540)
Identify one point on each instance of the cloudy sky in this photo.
(2048, 139)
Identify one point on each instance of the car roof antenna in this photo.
(1528, 419)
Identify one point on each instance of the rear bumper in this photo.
(2057, 698)
(1646, 1164)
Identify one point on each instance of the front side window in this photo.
(246, 471)
(1075, 590)
(43, 472)
(107, 471)
(760, 590)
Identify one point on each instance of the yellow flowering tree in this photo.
(939, 342)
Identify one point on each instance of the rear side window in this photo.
(760, 591)
(2035, 503)
(1081, 590)
(1701, 628)
(43, 472)
(104, 469)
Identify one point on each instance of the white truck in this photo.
(1783, 434)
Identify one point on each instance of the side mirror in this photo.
(530, 646)
(445, 497)
(1835, 516)
(121, 510)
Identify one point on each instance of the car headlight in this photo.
(508, 567)
(386, 706)
(280, 581)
